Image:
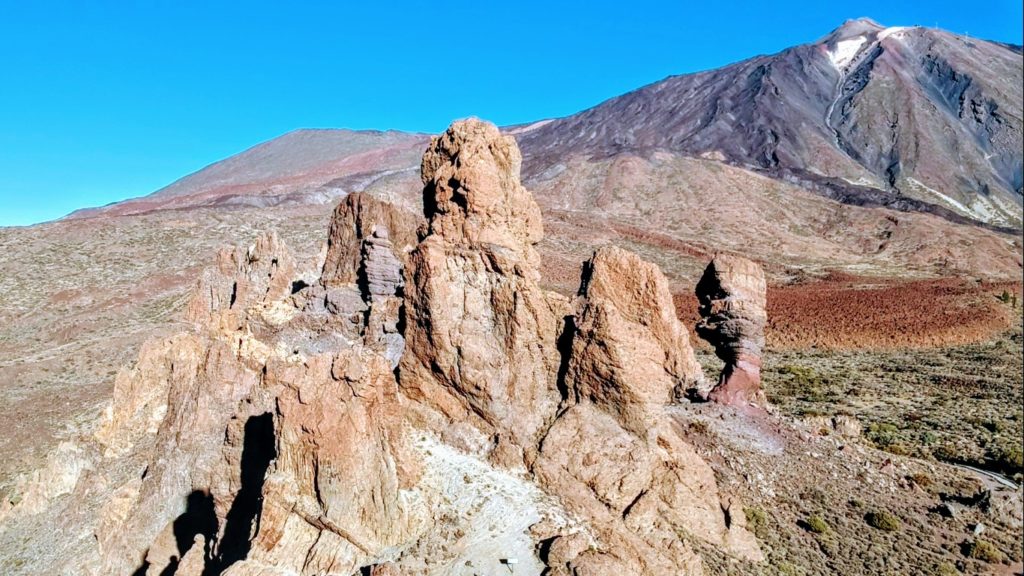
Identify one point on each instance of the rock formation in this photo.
(380, 272)
(480, 332)
(381, 280)
(58, 476)
(640, 484)
(732, 307)
(271, 452)
(282, 440)
(354, 221)
(332, 499)
(630, 351)
(260, 275)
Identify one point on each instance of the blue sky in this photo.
(102, 101)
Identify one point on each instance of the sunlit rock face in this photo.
(480, 332)
(417, 412)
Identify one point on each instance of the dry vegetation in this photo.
(828, 505)
(961, 404)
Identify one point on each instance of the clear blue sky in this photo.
(101, 101)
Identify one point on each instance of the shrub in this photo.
(882, 520)
(757, 521)
(948, 453)
(921, 479)
(883, 435)
(816, 524)
(808, 382)
(1009, 459)
(982, 550)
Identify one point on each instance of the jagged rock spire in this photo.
(732, 296)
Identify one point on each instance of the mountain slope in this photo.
(300, 167)
(912, 118)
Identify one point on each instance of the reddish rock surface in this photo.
(353, 221)
(614, 454)
(629, 350)
(732, 308)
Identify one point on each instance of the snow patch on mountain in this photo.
(890, 31)
(845, 51)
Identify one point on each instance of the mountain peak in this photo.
(853, 28)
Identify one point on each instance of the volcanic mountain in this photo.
(905, 117)
(299, 168)
(909, 118)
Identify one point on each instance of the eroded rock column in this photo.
(617, 454)
(732, 307)
(480, 332)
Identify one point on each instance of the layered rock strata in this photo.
(353, 221)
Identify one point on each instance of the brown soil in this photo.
(848, 312)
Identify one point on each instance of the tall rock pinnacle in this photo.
(480, 332)
(732, 307)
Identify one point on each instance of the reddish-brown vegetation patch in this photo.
(843, 311)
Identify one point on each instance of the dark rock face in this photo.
(732, 307)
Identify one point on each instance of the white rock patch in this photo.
(490, 511)
(845, 51)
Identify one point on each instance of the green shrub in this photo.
(883, 435)
(800, 374)
(882, 520)
(983, 550)
(817, 525)
(757, 521)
